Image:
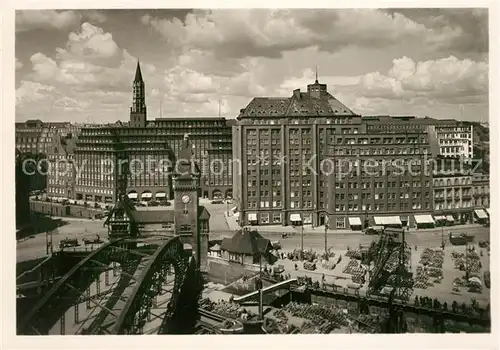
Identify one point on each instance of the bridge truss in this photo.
(141, 290)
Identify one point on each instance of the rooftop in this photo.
(248, 242)
(315, 102)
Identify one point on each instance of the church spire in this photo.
(316, 82)
(138, 109)
(138, 74)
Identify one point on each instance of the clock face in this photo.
(185, 199)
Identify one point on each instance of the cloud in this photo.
(91, 43)
(27, 20)
(30, 91)
(469, 25)
(407, 83)
(91, 60)
(231, 56)
(269, 33)
(45, 19)
(90, 75)
(19, 64)
(440, 79)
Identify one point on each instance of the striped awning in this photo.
(147, 195)
(354, 221)
(132, 195)
(295, 217)
(387, 220)
(161, 195)
(450, 218)
(481, 214)
(439, 217)
(424, 219)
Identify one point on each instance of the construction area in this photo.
(387, 286)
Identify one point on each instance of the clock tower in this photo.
(186, 186)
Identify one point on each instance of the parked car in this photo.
(483, 244)
(374, 230)
(68, 243)
(96, 240)
(309, 266)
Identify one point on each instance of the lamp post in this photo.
(261, 294)
(326, 238)
(302, 242)
(442, 231)
(48, 242)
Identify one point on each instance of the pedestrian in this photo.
(296, 267)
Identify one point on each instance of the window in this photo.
(340, 223)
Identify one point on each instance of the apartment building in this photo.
(284, 144)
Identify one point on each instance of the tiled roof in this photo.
(246, 242)
(267, 106)
(298, 105)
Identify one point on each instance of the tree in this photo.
(445, 306)
(436, 304)
(454, 306)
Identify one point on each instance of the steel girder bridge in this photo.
(120, 288)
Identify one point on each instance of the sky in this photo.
(79, 65)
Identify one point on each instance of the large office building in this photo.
(35, 139)
(151, 148)
(35, 136)
(61, 171)
(286, 148)
(453, 138)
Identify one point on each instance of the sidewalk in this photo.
(233, 225)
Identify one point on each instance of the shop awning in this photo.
(132, 195)
(355, 221)
(424, 219)
(147, 195)
(481, 214)
(252, 217)
(488, 211)
(439, 217)
(450, 218)
(307, 219)
(161, 195)
(295, 217)
(387, 220)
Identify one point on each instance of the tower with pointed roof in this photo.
(186, 186)
(138, 112)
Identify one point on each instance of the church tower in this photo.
(138, 109)
(186, 186)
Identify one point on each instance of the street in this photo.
(33, 248)
(316, 241)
